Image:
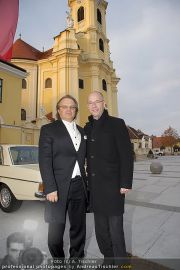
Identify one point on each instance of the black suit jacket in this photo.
(57, 158)
(109, 163)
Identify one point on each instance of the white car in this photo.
(20, 177)
(159, 153)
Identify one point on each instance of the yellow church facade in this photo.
(77, 64)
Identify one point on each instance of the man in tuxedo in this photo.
(62, 150)
(110, 173)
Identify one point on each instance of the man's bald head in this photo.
(96, 94)
(96, 104)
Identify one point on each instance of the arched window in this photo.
(80, 14)
(48, 83)
(104, 85)
(24, 84)
(23, 114)
(101, 45)
(99, 16)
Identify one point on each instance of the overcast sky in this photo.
(145, 48)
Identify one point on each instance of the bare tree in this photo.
(170, 132)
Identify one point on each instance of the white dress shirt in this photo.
(76, 139)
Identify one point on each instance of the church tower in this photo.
(96, 70)
(77, 64)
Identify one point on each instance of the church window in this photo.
(48, 83)
(81, 84)
(80, 14)
(101, 45)
(24, 84)
(23, 114)
(1, 89)
(99, 16)
(104, 85)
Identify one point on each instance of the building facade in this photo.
(77, 64)
(141, 142)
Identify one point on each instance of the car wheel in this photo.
(8, 202)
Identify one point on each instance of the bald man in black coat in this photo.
(110, 174)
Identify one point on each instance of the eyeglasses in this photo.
(95, 102)
(64, 107)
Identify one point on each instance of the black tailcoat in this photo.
(57, 158)
(109, 163)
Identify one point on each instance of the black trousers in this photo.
(76, 208)
(110, 238)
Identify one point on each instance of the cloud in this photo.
(146, 54)
(39, 21)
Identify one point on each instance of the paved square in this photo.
(151, 220)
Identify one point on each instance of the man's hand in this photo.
(52, 197)
(124, 190)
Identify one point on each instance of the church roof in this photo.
(46, 54)
(22, 50)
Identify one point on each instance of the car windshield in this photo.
(24, 155)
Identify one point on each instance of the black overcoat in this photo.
(109, 163)
(57, 157)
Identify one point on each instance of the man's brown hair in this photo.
(58, 105)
